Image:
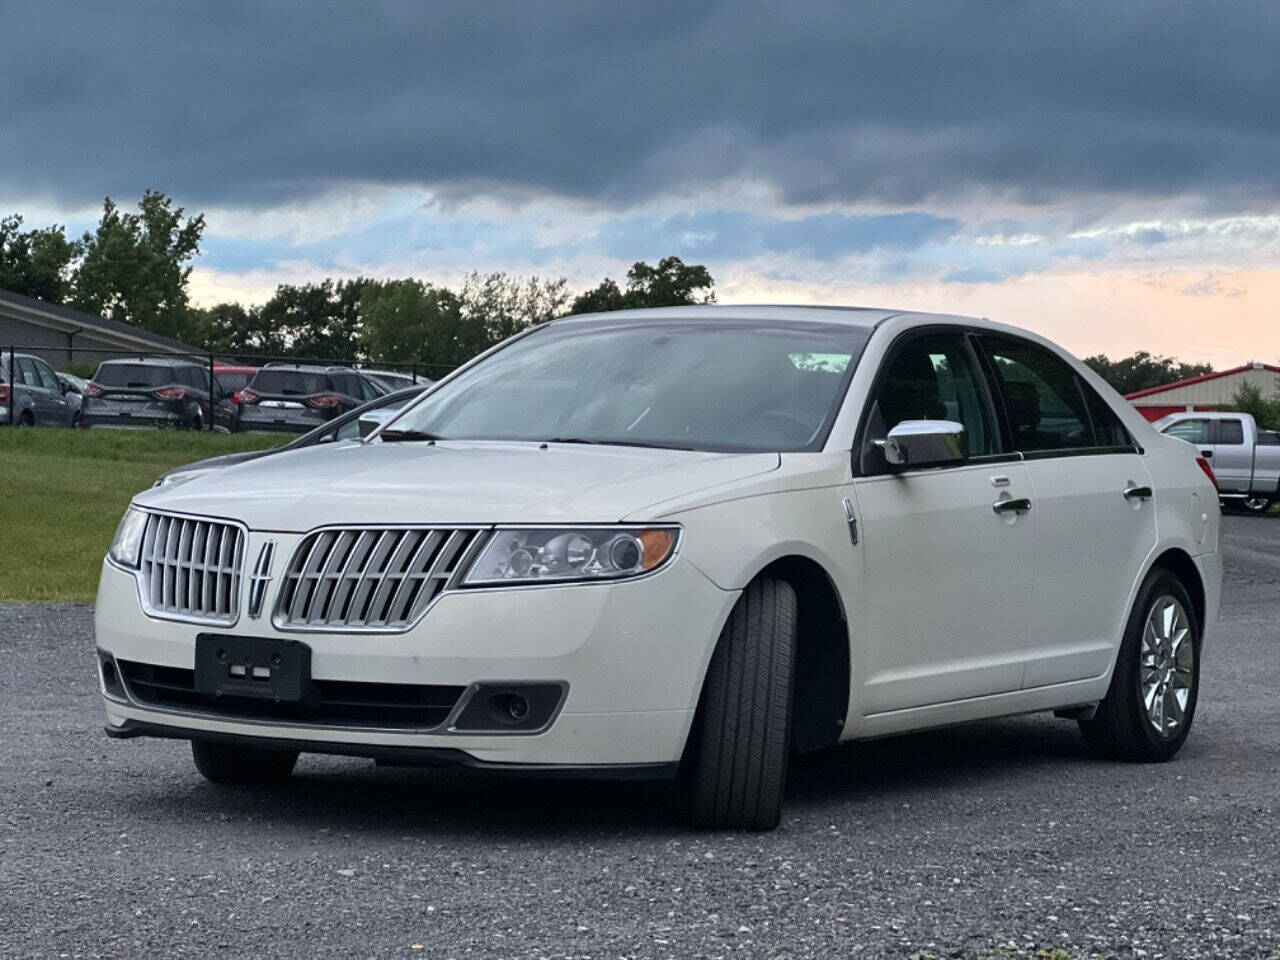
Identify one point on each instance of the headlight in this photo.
(127, 545)
(561, 555)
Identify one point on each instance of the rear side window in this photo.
(295, 383)
(1108, 431)
(1192, 431)
(1231, 432)
(27, 372)
(1046, 408)
(1268, 438)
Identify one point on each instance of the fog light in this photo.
(110, 679)
(508, 709)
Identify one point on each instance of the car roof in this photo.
(234, 368)
(307, 367)
(151, 362)
(867, 317)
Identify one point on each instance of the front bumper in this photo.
(632, 654)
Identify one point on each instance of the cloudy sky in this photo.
(1106, 173)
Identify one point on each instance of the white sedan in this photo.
(680, 543)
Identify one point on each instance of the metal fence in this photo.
(84, 357)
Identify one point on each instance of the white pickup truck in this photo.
(1245, 459)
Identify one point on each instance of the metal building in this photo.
(51, 331)
(1213, 391)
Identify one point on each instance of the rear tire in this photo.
(1148, 679)
(741, 740)
(235, 765)
(1256, 504)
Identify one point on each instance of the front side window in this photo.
(1192, 431)
(930, 378)
(1046, 408)
(689, 384)
(48, 379)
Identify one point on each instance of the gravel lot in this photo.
(1002, 838)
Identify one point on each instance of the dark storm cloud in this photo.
(900, 102)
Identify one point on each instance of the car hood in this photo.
(452, 482)
(217, 463)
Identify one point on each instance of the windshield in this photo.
(710, 385)
(134, 375)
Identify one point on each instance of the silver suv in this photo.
(31, 394)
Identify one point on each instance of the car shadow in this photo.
(344, 794)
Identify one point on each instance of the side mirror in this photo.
(372, 420)
(925, 443)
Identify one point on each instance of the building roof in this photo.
(1203, 378)
(31, 310)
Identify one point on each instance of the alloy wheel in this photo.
(1168, 666)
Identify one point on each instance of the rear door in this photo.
(1232, 455)
(1092, 506)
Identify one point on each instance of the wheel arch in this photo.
(822, 670)
(1178, 562)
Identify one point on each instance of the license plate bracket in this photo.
(258, 667)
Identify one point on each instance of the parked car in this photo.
(1245, 460)
(155, 392)
(684, 540)
(345, 427)
(396, 379)
(31, 395)
(296, 397)
(73, 390)
(234, 378)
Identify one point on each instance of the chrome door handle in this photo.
(1019, 506)
(1137, 493)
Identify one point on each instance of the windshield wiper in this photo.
(617, 443)
(392, 435)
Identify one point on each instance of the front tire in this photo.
(1151, 703)
(741, 740)
(234, 765)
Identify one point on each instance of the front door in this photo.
(945, 598)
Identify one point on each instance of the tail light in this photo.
(245, 396)
(92, 390)
(170, 393)
(1208, 471)
(4, 393)
(325, 401)
(235, 396)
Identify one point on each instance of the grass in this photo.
(62, 492)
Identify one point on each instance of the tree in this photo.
(319, 320)
(136, 266)
(36, 263)
(504, 305)
(408, 321)
(1266, 410)
(1143, 370)
(672, 283)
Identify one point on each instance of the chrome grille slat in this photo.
(190, 568)
(376, 579)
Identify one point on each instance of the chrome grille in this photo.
(368, 578)
(191, 568)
